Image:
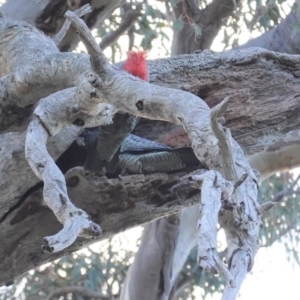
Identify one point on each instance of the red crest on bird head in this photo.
(136, 64)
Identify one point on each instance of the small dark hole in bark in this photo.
(94, 228)
(78, 122)
(94, 81)
(140, 105)
(47, 249)
(62, 199)
(45, 241)
(40, 166)
(203, 92)
(93, 95)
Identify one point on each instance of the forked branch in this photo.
(52, 114)
(239, 214)
(98, 58)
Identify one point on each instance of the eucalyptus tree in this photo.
(45, 91)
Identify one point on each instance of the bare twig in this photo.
(266, 207)
(68, 106)
(76, 222)
(127, 21)
(83, 10)
(98, 59)
(224, 137)
(241, 224)
(208, 21)
(213, 186)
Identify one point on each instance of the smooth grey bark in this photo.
(157, 246)
(284, 155)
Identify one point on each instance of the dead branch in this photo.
(212, 187)
(57, 38)
(266, 207)
(98, 59)
(244, 222)
(128, 19)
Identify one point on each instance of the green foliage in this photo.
(177, 25)
(197, 28)
(254, 16)
(101, 268)
(191, 276)
(174, 2)
(282, 223)
(148, 28)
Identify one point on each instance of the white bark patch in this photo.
(212, 186)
